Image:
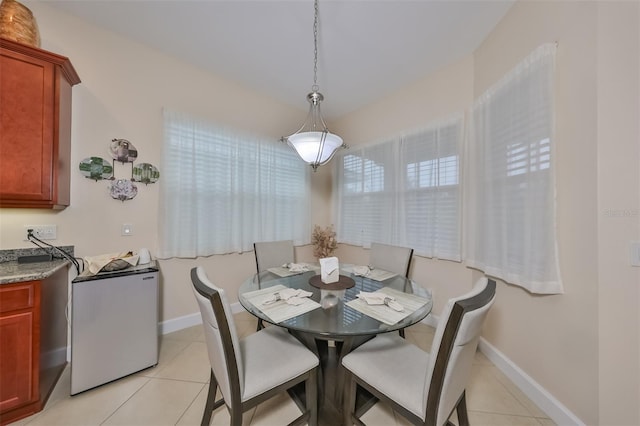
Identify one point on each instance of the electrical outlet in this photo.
(43, 232)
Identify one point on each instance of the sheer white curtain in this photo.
(510, 224)
(223, 190)
(404, 191)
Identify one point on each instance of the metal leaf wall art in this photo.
(124, 152)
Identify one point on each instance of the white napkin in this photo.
(361, 271)
(329, 270)
(296, 267)
(377, 298)
(291, 296)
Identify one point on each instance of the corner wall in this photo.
(582, 346)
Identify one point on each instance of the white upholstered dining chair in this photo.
(270, 254)
(390, 258)
(251, 370)
(424, 388)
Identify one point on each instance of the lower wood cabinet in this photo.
(26, 336)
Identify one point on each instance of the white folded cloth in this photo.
(291, 296)
(361, 271)
(297, 267)
(377, 298)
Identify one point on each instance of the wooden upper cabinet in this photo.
(35, 126)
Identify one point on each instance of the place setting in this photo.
(387, 305)
(281, 303)
(290, 269)
(372, 273)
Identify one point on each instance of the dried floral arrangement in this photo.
(324, 241)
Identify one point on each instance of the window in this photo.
(432, 191)
(511, 217)
(223, 190)
(404, 191)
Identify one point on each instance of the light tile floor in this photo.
(174, 392)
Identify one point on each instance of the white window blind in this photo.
(222, 190)
(511, 220)
(404, 191)
(432, 190)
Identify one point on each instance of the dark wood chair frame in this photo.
(460, 308)
(236, 406)
(406, 274)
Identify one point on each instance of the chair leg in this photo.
(260, 325)
(311, 391)
(236, 416)
(349, 398)
(401, 332)
(211, 401)
(461, 410)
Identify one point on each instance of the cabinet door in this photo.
(28, 142)
(18, 380)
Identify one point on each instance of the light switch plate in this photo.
(634, 253)
(127, 229)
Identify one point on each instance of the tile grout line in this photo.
(125, 401)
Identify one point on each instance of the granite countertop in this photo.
(11, 271)
(14, 272)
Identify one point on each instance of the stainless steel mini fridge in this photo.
(114, 325)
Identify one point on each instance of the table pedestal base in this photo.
(331, 380)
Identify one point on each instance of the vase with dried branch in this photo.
(324, 241)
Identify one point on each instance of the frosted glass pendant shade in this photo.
(315, 147)
(313, 142)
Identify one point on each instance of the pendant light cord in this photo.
(315, 87)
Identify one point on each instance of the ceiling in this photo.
(366, 48)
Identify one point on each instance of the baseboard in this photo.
(179, 323)
(190, 320)
(556, 411)
(53, 358)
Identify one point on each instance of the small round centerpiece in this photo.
(342, 283)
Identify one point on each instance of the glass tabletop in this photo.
(336, 317)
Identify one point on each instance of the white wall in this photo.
(618, 211)
(582, 346)
(124, 88)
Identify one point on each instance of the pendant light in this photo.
(313, 142)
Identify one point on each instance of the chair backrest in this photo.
(453, 349)
(270, 254)
(220, 335)
(391, 258)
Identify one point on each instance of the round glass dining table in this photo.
(335, 319)
(335, 327)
